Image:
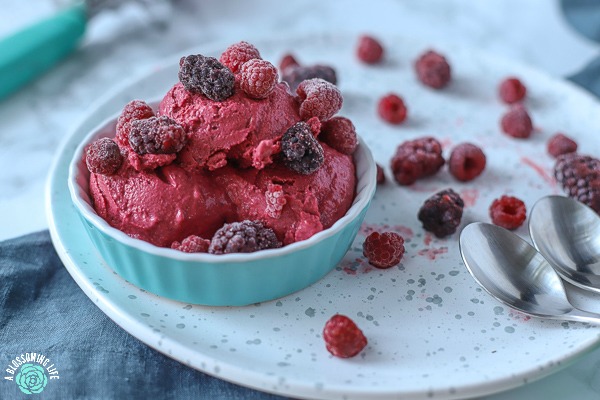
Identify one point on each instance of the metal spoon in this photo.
(567, 233)
(512, 271)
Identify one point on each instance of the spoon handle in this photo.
(578, 315)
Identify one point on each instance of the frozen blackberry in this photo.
(560, 144)
(134, 110)
(156, 135)
(433, 70)
(339, 133)
(206, 75)
(579, 176)
(243, 237)
(466, 162)
(237, 54)
(103, 157)
(295, 74)
(415, 159)
(441, 213)
(301, 151)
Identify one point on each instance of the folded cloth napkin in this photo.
(43, 311)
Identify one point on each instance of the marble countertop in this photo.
(128, 41)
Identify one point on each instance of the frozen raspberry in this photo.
(156, 135)
(206, 75)
(301, 151)
(433, 70)
(339, 133)
(243, 237)
(508, 212)
(383, 250)
(380, 175)
(517, 123)
(466, 162)
(237, 54)
(294, 75)
(192, 244)
(369, 50)
(441, 213)
(415, 159)
(258, 78)
(579, 176)
(342, 337)
(103, 157)
(134, 110)
(511, 90)
(275, 199)
(560, 144)
(287, 61)
(319, 98)
(392, 109)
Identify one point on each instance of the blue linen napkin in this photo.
(43, 311)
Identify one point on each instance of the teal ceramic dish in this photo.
(221, 280)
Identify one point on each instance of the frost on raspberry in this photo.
(134, 110)
(467, 161)
(237, 54)
(296, 74)
(318, 98)
(243, 237)
(156, 135)
(258, 78)
(441, 213)
(301, 151)
(516, 122)
(433, 70)
(415, 159)
(508, 212)
(103, 157)
(342, 337)
(275, 199)
(384, 250)
(579, 175)
(560, 144)
(340, 134)
(192, 244)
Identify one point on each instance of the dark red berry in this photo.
(433, 70)
(517, 123)
(579, 175)
(318, 98)
(339, 133)
(380, 175)
(192, 244)
(560, 144)
(288, 61)
(103, 157)
(301, 151)
(466, 162)
(384, 250)
(342, 337)
(237, 54)
(134, 110)
(512, 90)
(369, 50)
(441, 213)
(258, 78)
(156, 135)
(294, 75)
(391, 108)
(243, 237)
(415, 159)
(206, 75)
(508, 212)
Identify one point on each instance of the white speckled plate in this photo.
(432, 331)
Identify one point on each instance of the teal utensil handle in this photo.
(32, 51)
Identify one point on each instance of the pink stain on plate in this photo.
(433, 252)
(469, 196)
(427, 239)
(541, 171)
(356, 266)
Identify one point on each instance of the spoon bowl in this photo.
(514, 272)
(567, 233)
